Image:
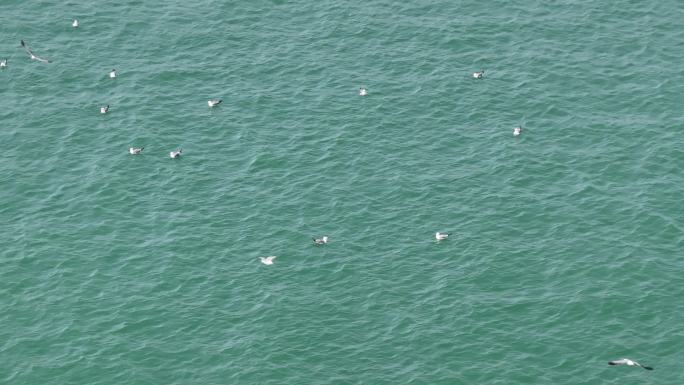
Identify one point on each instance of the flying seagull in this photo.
(214, 102)
(103, 110)
(517, 131)
(176, 154)
(628, 362)
(441, 236)
(112, 73)
(478, 75)
(136, 150)
(75, 23)
(363, 91)
(34, 57)
(320, 241)
(267, 260)
(3, 63)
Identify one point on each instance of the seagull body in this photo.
(136, 150)
(112, 73)
(103, 110)
(517, 131)
(74, 23)
(32, 55)
(320, 241)
(363, 91)
(441, 236)
(628, 362)
(214, 102)
(176, 154)
(478, 75)
(267, 260)
(3, 63)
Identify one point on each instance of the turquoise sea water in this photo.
(566, 242)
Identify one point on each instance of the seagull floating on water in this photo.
(478, 75)
(320, 241)
(74, 23)
(267, 260)
(103, 110)
(517, 131)
(3, 63)
(628, 362)
(214, 102)
(441, 236)
(136, 150)
(32, 55)
(176, 154)
(363, 91)
(112, 73)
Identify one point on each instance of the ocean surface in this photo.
(566, 245)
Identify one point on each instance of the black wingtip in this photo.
(22, 43)
(612, 363)
(647, 367)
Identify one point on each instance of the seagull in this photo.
(363, 91)
(175, 154)
(441, 236)
(112, 73)
(34, 57)
(136, 150)
(3, 63)
(517, 131)
(74, 23)
(478, 75)
(214, 102)
(628, 362)
(320, 241)
(103, 110)
(267, 260)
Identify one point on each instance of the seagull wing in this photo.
(28, 50)
(41, 59)
(618, 362)
(645, 367)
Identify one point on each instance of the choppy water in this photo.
(566, 245)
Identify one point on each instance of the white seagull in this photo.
(517, 131)
(441, 236)
(320, 241)
(74, 23)
(363, 91)
(112, 73)
(136, 150)
(3, 63)
(176, 154)
(267, 260)
(34, 57)
(103, 110)
(628, 362)
(478, 75)
(214, 102)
